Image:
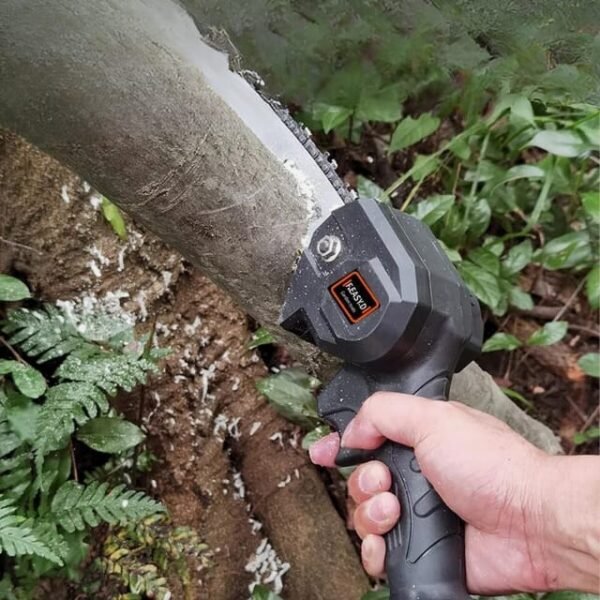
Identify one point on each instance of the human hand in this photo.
(512, 496)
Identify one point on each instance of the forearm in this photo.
(571, 545)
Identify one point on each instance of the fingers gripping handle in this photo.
(425, 558)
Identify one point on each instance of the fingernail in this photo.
(348, 433)
(371, 479)
(322, 450)
(379, 510)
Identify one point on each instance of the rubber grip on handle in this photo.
(425, 557)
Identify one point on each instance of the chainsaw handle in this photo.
(425, 555)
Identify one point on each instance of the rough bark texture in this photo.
(207, 384)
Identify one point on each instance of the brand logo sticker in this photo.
(354, 297)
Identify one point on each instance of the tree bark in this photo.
(129, 96)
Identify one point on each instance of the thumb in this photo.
(399, 417)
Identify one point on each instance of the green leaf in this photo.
(590, 364)
(424, 166)
(261, 337)
(432, 209)
(520, 299)
(291, 397)
(482, 283)
(12, 289)
(567, 251)
(570, 596)
(549, 334)
(452, 254)
(521, 111)
(8, 366)
(459, 146)
(382, 594)
(369, 189)
(314, 435)
(410, 131)
(560, 143)
(519, 172)
(494, 245)
(29, 381)
(76, 507)
(113, 215)
(22, 414)
(589, 435)
(384, 105)
(262, 592)
(518, 258)
(330, 116)
(485, 259)
(514, 395)
(592, 286)
(110, 434)
(591, 205)
(501, 341)
(479, 218)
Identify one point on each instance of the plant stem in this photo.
(540, 203)
(12, 351)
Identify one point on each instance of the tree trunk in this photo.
(130, 97)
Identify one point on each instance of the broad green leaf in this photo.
(479, 218)
(260, 337)
(12, 289)
(549, 334)
(432, 209)
(452, 254)
(482, 283)
(518, 258)
(589, 435)
(113, 215)
(592, 286)
(110, 434)
(501, 341)
(590, 364)
(486, 171)
(410, 131)
(369, 189)
(591, 204)
(262, 592)
(459, 146)
(330, 116)
(21, 413)
(520, 299)
(567, 251)
(383, 105)
(452, 229)
(313, 436)
(560, 143)
(424, 166)
(29, 381)
(520, 172)
(521, 111)
(8, 366)
(494, 245)
(485, 259)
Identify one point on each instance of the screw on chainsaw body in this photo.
(329, 247)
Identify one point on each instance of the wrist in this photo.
(570, 533)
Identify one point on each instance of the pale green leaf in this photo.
(566, 251)
(570, 596)
(424, 166)
(29, 381)
(262, 592)
(12, 289)
(330, 116)
(113, 215)
(314, 435)
(591, 205)
(260, 337)
(521, 111)
(485, 259)
(483, 284)
(384, 105)
(432, 209)
(480, 216)
(382, 594)
(520, 299)
(22, 414)
(560, 143)
(589, 435)
(514, 395)
(410, 131)
(501, 341)
(110, 434)
(549, 334)
(592, 286)
(518, 258)
(369, 189)
(590, 364)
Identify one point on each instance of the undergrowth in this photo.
(62, 366)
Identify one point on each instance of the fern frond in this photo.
(17, 537)
(67, 404)
(74, 507)
(9, 440)
(109, 371)
(15, 475)
(45, 334)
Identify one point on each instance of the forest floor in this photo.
(227, 464)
